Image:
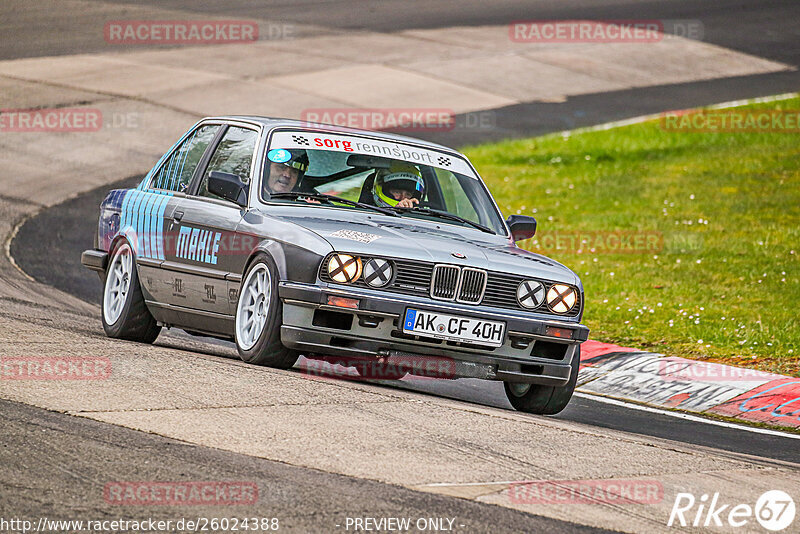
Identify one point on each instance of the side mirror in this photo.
(522, 226)
(228, 186)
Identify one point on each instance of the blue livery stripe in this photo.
(123, 219)
(147, 224)
(154, 224)
(162, 162)
(138, 220)
(163, 178)
(161, 210)
(133, 196)
(144, 224)
(151, 230)
(183, 162)
(170, 169)
(143, 212)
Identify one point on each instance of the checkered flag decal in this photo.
(444, 161)
(300, 140)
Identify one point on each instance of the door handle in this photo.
(177, 216)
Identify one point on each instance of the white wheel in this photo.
(118, 283)
(253, 307)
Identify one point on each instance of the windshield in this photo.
(414, 181)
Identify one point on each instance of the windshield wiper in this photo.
(447, 215)
(322, 197)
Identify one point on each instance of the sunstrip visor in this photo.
(371, 147)
(296, 159)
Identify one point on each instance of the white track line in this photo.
(688, 417)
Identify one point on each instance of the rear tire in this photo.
(544, 400)
(259, 316)
(124, 313)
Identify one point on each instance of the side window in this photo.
(176, 172)
(233, 155)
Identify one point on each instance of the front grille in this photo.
(473, 284)
(445, 282)
(420, 278)
(465, 285)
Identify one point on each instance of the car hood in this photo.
(413, 239)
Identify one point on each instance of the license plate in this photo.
(454, 327)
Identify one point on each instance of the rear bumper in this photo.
(528, 354)
(96, 260)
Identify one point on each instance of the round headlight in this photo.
(377, 272)
(561, 298)
(530, 294)
(344, 269)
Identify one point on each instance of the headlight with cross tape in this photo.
(344, 268)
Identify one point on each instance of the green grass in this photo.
(725, 286)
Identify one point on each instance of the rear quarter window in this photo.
(177, 170)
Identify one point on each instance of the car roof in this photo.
(271, 122)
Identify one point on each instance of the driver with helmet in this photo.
(399, 186)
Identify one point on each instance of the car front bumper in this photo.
(529, 352)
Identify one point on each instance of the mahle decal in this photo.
(198, 245)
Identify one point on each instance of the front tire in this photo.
(544, 400)
(125, 315)
(259, 317)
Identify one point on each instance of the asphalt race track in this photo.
(323, 452)
(101, 451)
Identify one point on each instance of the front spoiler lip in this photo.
(396, 304)
(312, 341)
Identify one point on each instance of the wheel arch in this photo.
(112, 248)
(303, 262)
(274, 250)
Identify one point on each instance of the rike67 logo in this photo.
(774, 510)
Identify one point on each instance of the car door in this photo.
(147, 211)
(203, 227)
